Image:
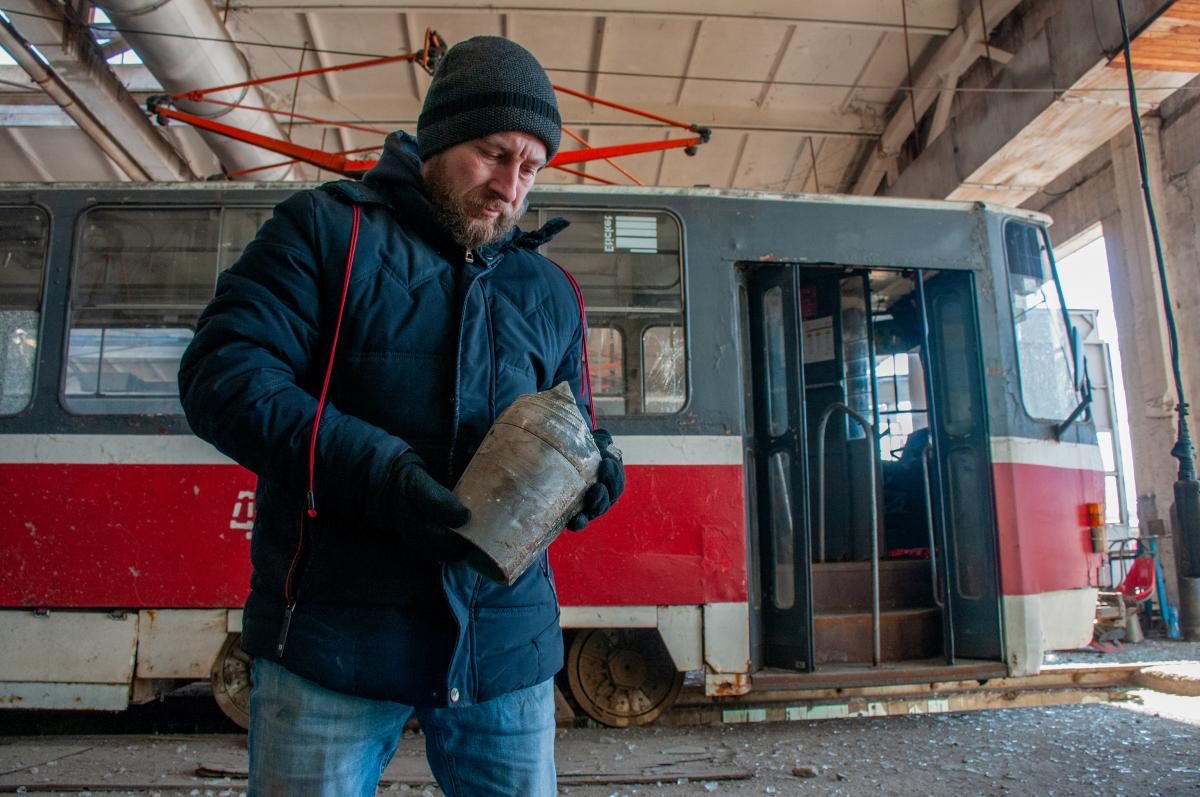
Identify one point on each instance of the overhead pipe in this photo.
(70, 50)
(56, 89)
(186, 46)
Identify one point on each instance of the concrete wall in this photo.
(1105, 188)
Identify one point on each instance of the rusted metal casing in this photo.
(525, 481)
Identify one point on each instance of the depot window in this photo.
(24, 234)
(1040, 325)
(629, 266)
(141, 277)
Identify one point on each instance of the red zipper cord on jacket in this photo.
(312, 443)
(587, 373)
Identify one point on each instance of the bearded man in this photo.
(354, 358)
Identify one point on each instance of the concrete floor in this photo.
(1146, 745)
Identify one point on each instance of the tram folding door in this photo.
(875, 530)
(966, 517)
(780, 465)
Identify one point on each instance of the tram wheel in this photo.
(230, 679)
(622, 676)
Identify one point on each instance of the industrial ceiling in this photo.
(800, 95)
(797, 92)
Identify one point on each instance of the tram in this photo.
(855, 433)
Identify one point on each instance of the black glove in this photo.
(426, 509)
(610, 483)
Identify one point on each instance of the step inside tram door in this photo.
(867, 393)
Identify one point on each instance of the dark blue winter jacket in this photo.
(432, 348)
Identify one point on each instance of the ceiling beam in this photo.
(75, 58)
(1005, 147)
(416, 42)
(693, 46)
(40, 115)
(57, 89)
(953, 55)
(936, 19)
(29, 155)
(597, 56)
(773, 72)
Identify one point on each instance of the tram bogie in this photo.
(842, 419)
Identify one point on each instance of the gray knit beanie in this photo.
(487, 85)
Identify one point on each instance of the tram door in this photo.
(868, 418)
(965, 520)
(784, 596)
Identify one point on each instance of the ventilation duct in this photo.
(186, 46)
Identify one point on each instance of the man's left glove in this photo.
(610, 483)
(426, 510)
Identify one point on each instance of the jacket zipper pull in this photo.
(283, 632)
(469, 256)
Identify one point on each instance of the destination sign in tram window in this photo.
(629, 266)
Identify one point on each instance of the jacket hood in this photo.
(398, 166)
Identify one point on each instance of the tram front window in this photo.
(1040, 325)
(23, 237)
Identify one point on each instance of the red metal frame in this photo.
(434, 48)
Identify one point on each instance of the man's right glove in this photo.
(426, 509)
(610, 483)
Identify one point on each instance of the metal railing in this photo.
(870, 432)
(926, 453)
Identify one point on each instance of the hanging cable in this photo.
(296, 93)
(583, 175)
(912, 96)
(427, 58)
(1182, 450)
(303, 117)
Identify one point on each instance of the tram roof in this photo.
(552, 190)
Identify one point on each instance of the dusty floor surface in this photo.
(1148, 745)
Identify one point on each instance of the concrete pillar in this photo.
(1137, 303)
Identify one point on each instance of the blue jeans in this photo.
(306, 740)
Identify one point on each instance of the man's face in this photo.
(478, 187)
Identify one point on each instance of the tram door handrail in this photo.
(869, 429)
(926, 453)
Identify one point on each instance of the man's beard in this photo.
(456, 212)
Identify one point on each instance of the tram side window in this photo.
(141, 278)
(629, 266)
(1040, 325)
(24, 233)
(663, 364)
(606, 364)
